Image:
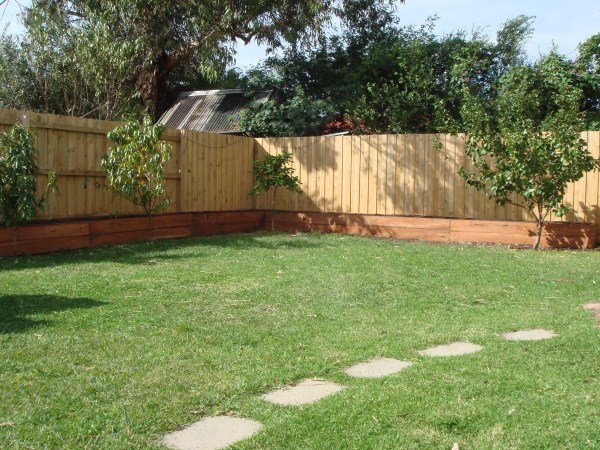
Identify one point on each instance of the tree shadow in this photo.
(151, 252)
(590, 214)
(312, 155)
(366, 174)
(16, 310)
(575, 235)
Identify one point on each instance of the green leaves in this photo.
(18, 170)
(135, 165)
(525, 141)
(382, 77)
(274, 172)
(111, 59)
(297, 116)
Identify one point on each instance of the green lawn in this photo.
(114, 347)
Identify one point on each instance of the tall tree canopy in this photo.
(108, 58)
(588, 74)
(385, 78)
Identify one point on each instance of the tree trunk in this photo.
(273, 210)
(155, 89)
(538, 239)
(150, 233)
(14, 239)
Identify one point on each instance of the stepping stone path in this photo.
(453, 349)
(212, 433)
(529, 335)
(595, 309)
(377, 368)
(308, 391)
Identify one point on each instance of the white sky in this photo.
(565, 23)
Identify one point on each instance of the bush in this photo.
(273, 173)
(135, 166)
(19, 201)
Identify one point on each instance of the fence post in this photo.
(182, 153)
(254, 158)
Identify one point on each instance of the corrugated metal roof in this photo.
(213, 110)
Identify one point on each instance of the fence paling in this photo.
(379, 174)
(406, 175)
(73, 148)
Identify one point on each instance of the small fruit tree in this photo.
(525, 142)
(135, 166)
(275, 172)
(19, 200)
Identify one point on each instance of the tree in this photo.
(135, 166)
(272, 173)
(107, 59)
(17, 86)
(524, 140)
(381, 77)
(588, 72)
(297, 116)
(69, 70)
(19, 201)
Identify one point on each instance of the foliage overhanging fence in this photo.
(378, 174)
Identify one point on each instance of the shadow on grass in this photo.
(146, 253)
(15, 310)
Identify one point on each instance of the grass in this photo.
(114, 347)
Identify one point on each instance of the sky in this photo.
(560, 22)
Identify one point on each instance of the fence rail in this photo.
(377, 174)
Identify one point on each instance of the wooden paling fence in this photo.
(403, 175)
(216, 172)
(207, 172)
(377, 174)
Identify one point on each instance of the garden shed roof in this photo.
(213, 110)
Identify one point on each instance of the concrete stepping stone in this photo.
(594, 307)
(377, 368)
(453, 349)
(308, 391)
(529, 335)
(212, 433)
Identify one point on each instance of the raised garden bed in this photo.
(71, 235)
(555, 235)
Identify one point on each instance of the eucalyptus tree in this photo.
(117, 54)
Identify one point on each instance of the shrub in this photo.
(19, 201)
(135, 166)
(273, 173)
